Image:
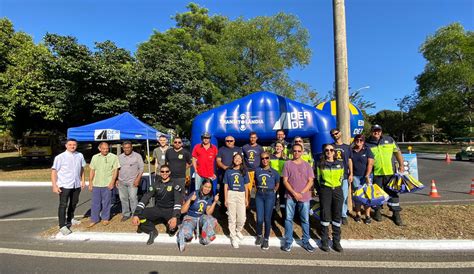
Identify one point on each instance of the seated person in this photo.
(167, 207)
(199, 208)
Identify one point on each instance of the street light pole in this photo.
(340, 56)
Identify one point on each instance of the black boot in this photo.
(397, 219)
(153, 235)
(336, 238)
(378, 215)
(324, 238)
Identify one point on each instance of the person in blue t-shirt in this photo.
(236, 179)
(199, 208)
(267, 181)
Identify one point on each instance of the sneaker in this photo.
(235, 243)
(258, 241)
(344, 220)
(75, 222)
(181, 242)
(153, 235)
(357, 219)
(308, 247)
(239, 235)
(65, 231)
(367, 220)
(265, 244)
(286, 247)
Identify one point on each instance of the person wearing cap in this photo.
(204, 156)
(384, 149)
(224, 162)
(343, 155)
(363, 162)
(159, 153)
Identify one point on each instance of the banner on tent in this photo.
(106, 134)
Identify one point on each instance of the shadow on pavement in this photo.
(17, 212)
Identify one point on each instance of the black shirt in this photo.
(342, 154)
(360, 160)
(177, 162)
(167, 196)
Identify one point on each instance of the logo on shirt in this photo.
(243, 121)
(180, 156)
(169, 188)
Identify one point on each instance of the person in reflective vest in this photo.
(277, 162)
(385, 150)
(330, 174)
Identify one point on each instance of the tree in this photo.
(445, 92)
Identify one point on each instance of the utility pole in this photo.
(340, 57)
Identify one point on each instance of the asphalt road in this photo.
(27, 211)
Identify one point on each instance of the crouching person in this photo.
(167, 208)
(199, 208)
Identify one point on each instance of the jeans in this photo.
(100, 208)
(128, 198)
(345, 193)
(303, 210)
(71, 194)
(264, 200)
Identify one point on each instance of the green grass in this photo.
(432, 148)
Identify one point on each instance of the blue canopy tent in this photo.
(124, 126)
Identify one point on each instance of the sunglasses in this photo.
(229, 141)
(265, 158)
(359, 141)
(297, 151)
(298, 141)
(206, 137)
(177, 142)
(164, 171)
(335, 133)
(329, 150)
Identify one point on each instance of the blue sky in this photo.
(383, 36)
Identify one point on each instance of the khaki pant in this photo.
(236, 207)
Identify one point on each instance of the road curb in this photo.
(432, 245)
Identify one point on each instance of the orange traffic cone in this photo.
(472, 187)
(447, 159)
(434, 191)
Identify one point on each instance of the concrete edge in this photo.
(26, 184)
(433, 245)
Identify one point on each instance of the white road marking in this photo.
(234, 260)
(28, 219)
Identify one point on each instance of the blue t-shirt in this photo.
(234, 179)
(266, 178)
(252, 156)
(360, 159)
(342, 153)
(199, 206)
(227, 154)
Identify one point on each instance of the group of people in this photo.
(284, 175)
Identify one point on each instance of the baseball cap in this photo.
(376, 127)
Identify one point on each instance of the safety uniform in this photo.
(278, 164)
(330, 176)
(384, 167)
(167, 205)
(197, 220)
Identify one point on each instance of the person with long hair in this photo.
(198, 209)
(330, 174)
(268, 181)
(277, 162)
(236, 197)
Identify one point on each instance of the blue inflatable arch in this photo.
(264, 112)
